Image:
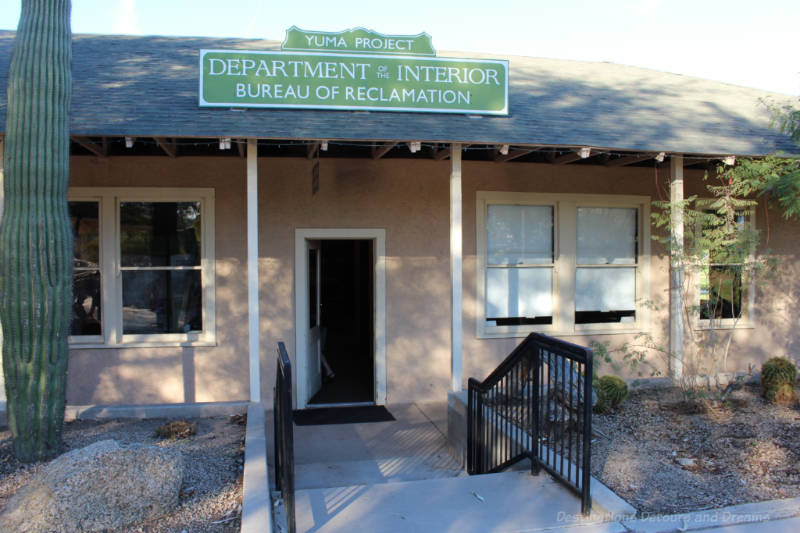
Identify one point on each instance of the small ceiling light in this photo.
(504, 149)
(225, 143)
(128, 142)
(660, 157)
(585, 152)
(730, 160)
(324, 146)
(415, 146)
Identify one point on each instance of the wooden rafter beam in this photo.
(511, 155)
(169, 146)
(567, 158)
(629, 160)
(311, 150)
(442, 153)
(241, 146)
(381, 149)
(86, 142)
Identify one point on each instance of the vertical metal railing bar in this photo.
(509, 387)
(561, 422)
(586, 505)
(533, 411)
(470, 438)
(571, 429)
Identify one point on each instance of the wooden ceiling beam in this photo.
(441, 154)
(312, 150)
(86, 142)
(241, 146)
(511, 155)
(169, 146)
(629, 160)
(381, 149)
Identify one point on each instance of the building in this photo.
(409, 256)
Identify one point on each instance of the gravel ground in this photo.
(211, 495)
(664, 455)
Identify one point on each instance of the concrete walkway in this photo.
(398, 477)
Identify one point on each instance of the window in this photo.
(144, 266)
(723, 289)
(561, 264)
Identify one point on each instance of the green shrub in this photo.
(611, 391)
(778, 380)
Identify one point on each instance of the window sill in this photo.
(154, 344)
(723, 325)
(574, 333)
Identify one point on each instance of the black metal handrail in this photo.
(284, 434)
(534, 405)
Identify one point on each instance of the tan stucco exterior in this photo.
(410, 200)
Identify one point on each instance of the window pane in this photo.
(86, 303)
(160, 233)
(605, 295)
(606, 236)
(85, 220)
(519, 234)
(161, 301)
(519, 293)
(721, 292)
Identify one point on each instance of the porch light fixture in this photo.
(128, 142)
(660, 157)
(225, 143)
(415, 146)
(730, 160)
(324, 146)
(585, 152)
(504, 149)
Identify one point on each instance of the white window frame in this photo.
(109, 199)
(747, 320)
(565, 233)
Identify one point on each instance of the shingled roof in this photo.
(147, 86)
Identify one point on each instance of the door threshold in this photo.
(345, 404)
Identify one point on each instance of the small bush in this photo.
(778, 380)
(179, 429)
(611, 391)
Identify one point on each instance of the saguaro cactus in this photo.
(35, 235)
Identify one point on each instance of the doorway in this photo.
(340, 288)
(346, 328)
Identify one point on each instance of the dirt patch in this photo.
(211, 494)
(666, 455)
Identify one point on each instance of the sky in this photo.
(754, 44)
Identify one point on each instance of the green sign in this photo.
(233, 78)
(358, 40)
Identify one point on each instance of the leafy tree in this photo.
(35, 235)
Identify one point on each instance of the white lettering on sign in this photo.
(297, 69)
(365, 43)
(430, 74)
(404, 96)
(326, 41)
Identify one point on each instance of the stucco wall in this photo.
(410, 200)
(175, 374)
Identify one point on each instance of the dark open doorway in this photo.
(348, 332)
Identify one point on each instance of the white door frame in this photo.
(378, 237)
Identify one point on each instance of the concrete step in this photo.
(503, 503)
(375, 471)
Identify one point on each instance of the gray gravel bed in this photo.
(211, 494)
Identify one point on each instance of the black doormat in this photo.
(342, 415)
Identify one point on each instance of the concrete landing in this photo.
(502, 503)
(412, 447)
